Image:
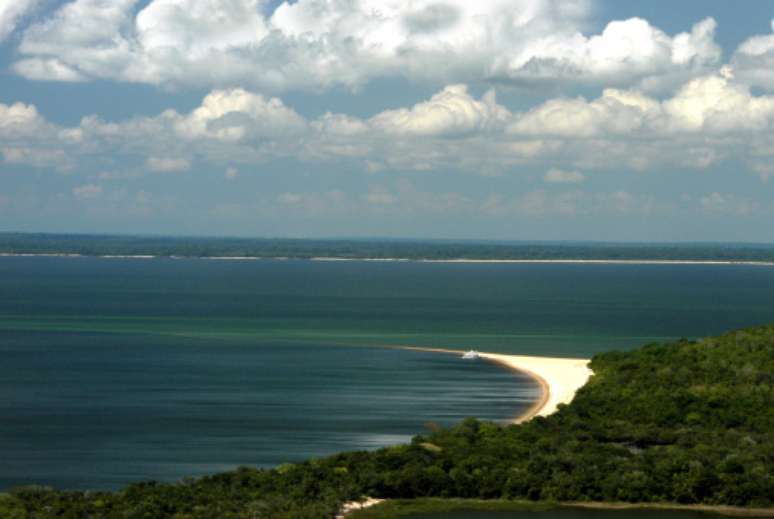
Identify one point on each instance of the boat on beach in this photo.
(470, 355)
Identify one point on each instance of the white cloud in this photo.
(167, 164)
(20, 120)
(709, 104)
(753, 61)
(11, 11)
(82, 39)
(47, 70)
(233, 115)
(450, 112)
(38, 157)
(626, 50)
(87, 191)
(615, 112)
(710, 119)
(559, 176)
(717, 104)
(317, 44)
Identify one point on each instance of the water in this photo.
(82, 410)
(118, 370)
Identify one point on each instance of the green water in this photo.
(119, 370)
(539, 309)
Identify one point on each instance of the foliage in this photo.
(688, 422)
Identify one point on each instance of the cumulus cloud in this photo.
(708, 104)
(11, 11)
(450, 112)
(20, 120)
(232, 115)
(46, 69)
(709, 119)
(615, 112)
(626, 49)
(318, 44)
(753, 61)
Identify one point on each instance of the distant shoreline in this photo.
(399, 260)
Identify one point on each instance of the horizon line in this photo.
(393, 239)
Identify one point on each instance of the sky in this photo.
(500, 119)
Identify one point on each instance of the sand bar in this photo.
(559, 378)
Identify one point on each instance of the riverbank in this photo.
(515, 261)
(398, 508)
(559, 378)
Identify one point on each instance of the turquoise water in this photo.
(118, 370)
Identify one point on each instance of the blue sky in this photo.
(507, 119)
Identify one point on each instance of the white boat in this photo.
(470, 355)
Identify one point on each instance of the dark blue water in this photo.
(85, 410)
(117, 370)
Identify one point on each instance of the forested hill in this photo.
(105, 245)
(687, 422)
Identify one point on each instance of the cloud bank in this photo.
(320, 44)
(709, 119)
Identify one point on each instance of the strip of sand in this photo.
(758, 263)
(559, 378)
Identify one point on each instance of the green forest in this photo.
(202, 247)
(688, 422)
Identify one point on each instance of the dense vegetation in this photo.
(688, 422)
(100, 245)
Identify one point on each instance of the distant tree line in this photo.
(686, 422)
(100, 245)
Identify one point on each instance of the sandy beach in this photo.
(559, 378)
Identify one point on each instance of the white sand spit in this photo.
(559, 378)
(353, 506)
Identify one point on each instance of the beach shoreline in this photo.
(429, 505)
(558, 378)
